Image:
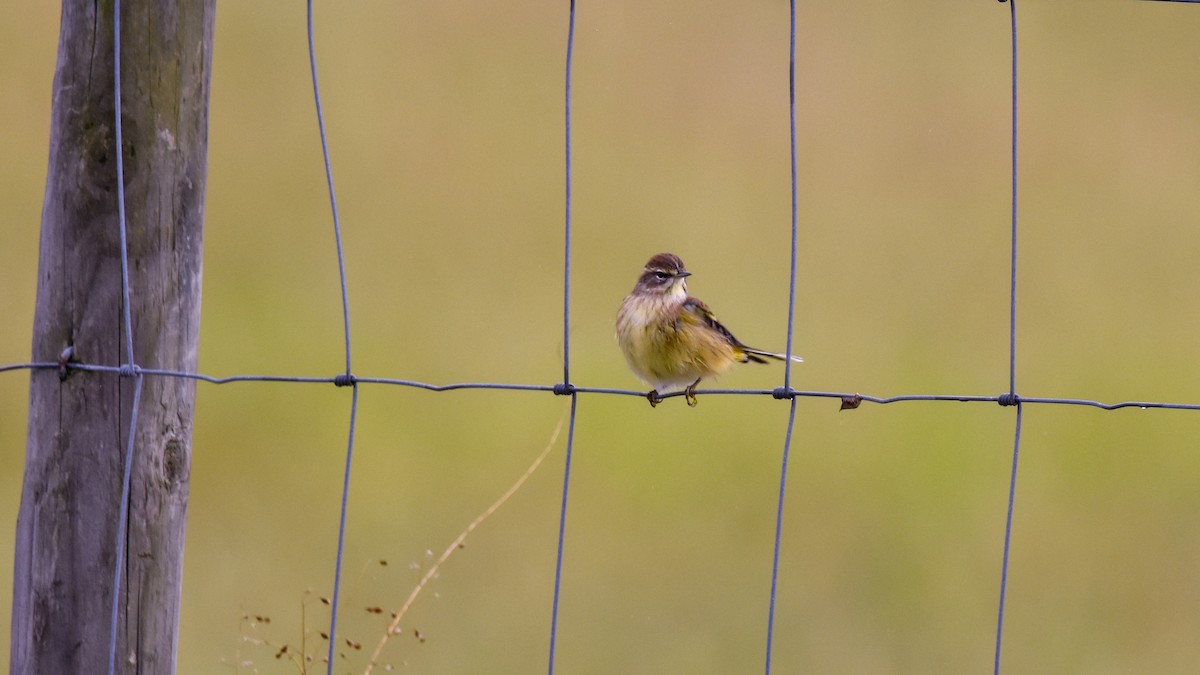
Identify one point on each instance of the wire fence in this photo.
(848, 400)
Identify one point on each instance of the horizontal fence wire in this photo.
(849, 400)
(846, 400)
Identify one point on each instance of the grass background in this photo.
(445, 121)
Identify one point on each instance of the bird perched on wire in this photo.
(672, 340)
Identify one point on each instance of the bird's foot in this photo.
(690, 394)
(653, 397)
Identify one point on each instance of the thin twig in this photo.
(457, 543)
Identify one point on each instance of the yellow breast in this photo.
(667, 347)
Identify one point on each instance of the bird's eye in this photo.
(662, 275)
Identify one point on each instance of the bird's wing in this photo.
(699, 311)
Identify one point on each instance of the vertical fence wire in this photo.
(341, 535)
(1012, 284)
(787, 364)
(787, 372)
(566, 387)
(562, 530)
(122, 525)
(127, 313)
(127, 321)
(787, 445)
(348, 378)
(337, 223)
(1012, 398)
(1008, 520)
(567, 204)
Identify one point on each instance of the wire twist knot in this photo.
(1008, 399)
(780, 393)
(64, 358)
(129, 370)
(344, 380)
(564, 389)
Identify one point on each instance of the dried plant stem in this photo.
(457, 543)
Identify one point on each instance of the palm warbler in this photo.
(672, 340)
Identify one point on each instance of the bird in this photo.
(672, 340)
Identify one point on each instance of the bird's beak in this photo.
(684, 274)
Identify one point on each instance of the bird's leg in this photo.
(653, 397)
(690, 393)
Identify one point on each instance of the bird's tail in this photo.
(755, 354)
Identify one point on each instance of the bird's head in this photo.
(663, 276)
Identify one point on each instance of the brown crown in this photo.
(667, 262)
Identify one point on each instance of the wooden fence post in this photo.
(67, 523)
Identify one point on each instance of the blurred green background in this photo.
(445, 124)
